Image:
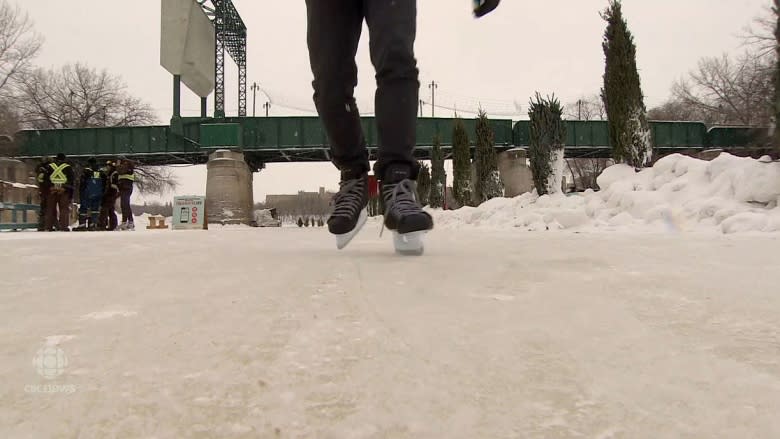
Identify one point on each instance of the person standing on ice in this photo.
(126, 177)
(60, 180)
(333, 33)
(91, 189)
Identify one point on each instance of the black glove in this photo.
(482, 7)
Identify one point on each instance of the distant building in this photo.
(301, 204)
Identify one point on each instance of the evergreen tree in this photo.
(461, 164)
(423, 184)
(438, 176)
(488, 184)
(629, 131)
(548, 137)
(300, 222)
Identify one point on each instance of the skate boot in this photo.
(350, 209)
(403, 213)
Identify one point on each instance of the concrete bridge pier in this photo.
(515, 173)
(229, 194)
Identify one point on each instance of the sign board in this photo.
(189, 213)
(188, 44)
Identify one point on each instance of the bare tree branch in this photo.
(154, 179)
(586, 108)
(19, 44)
(759, 36)
(77, 96)
(723, 91)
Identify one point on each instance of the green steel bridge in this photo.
(303, 139)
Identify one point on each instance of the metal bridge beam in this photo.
(230, 34)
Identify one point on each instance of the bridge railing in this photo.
(303, 138)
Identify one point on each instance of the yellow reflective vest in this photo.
(58, 173)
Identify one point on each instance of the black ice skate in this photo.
(350, 209)
(403, 213)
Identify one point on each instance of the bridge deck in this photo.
(294, 139)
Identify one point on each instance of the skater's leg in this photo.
(392, 29)
(333, 33)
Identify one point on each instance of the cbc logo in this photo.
(50, 362)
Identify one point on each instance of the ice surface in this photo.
(273, 333)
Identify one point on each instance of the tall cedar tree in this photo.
(438, 177)
(776, 10)
(629, 131)
(423, 184)
(461, 164)
(488, 184)
(548, 137)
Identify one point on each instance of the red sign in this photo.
(373, 186)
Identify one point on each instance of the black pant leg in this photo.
(43, 193)
(392, 29)
(126, 190)
(63, 204)
(51, 220)
(333, 33)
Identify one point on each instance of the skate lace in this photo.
(401, 198)
(349, 200)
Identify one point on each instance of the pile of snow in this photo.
(729, 194)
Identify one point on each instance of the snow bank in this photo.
(19, 185)
(729, 194)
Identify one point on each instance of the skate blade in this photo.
(344, 239)
(409, 244)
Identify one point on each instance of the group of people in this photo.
(98, 189)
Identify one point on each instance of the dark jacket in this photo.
(126, 171)
(112, 181)
(42, 172)
(61, 175)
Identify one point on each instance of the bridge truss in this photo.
(231, 34)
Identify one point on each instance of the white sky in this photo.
(500, 61)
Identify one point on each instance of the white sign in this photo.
(189, 213)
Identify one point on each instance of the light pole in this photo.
(254, 88)
(433, 86)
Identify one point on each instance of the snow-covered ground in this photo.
(272, 333)
(679, 193)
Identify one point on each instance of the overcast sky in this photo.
(498, 61)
